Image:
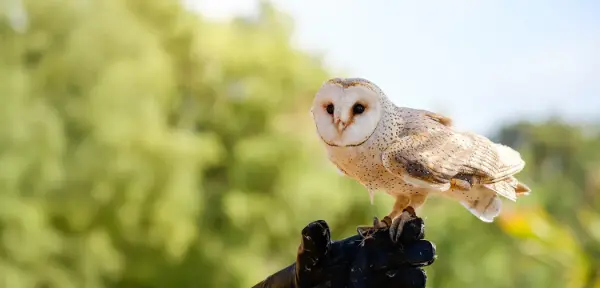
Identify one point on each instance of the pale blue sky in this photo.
(481, 62)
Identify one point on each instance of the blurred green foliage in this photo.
(144, 146)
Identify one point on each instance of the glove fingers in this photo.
(403, 278)
(384, 255)
(412, 230)
(406, 277)
(420, 253)
(315, 244)
(316, 238)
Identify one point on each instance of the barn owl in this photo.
(410, 153)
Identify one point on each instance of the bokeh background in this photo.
(156, 143)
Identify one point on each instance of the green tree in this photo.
(145, 147)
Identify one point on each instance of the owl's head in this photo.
(346, 111)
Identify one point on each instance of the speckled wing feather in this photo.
(433, 158)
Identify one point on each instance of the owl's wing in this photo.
(444, 120)
(433, 159)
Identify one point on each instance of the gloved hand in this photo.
(357, 262)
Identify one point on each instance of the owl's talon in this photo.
(399, 222)
(375, 221)
(366, 231)
(387, 221)
(410, 211)
(384, 223)
(363, 230)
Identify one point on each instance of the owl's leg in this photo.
(366, 231)
(406, 213)
(401, 203)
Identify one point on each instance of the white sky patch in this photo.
(483, 63)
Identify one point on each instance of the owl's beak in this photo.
(341, 125)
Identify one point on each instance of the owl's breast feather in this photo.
(360, 163)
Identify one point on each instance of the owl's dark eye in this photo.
(358, 109)
(329, 109)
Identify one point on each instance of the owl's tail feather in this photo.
(480, 201)
(510, 188)
(511, 162)
(522, 189)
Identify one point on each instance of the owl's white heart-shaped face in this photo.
(346, 111)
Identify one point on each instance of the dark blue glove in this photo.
(356, 261)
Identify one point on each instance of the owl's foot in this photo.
(398, 223)
(367, 231)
